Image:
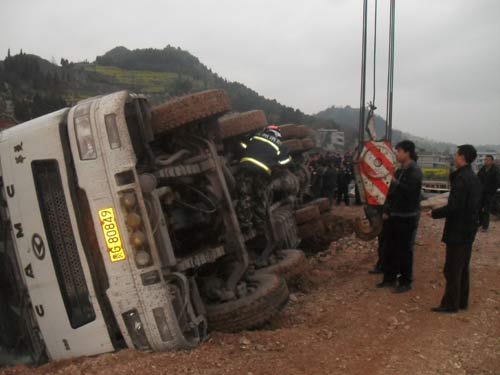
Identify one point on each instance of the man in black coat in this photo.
(329, 181)
(489, 175)
(462, 217)
(400, 213)
(344, 178)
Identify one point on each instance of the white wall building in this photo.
(331, 140)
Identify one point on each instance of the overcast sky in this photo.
(304, 53)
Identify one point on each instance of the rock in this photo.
(244, 341)
(393, 321)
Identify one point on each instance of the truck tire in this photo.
(303, 131)
(293, 145)
(251, 311)
(291, 264)
(234, 124)
(308, 144)
(322, 203)
(307, 213)
(189, 108)
(291, 131)
(337, 226)
(314, 228)
(288, 131)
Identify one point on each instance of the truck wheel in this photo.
(291, 264)
(314, 228)
(293, 145)
(269, 294)
(234, 124)
(308, 144)
(290, 131)
(305, 214)
(190, 108)
(322, 203)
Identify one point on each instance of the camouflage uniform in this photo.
(252, 200)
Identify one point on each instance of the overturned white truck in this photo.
(117, 234)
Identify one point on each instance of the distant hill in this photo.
(36, 86)
(348, 118)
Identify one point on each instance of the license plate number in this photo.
(111, 235)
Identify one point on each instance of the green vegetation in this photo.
(159, 73)
(143, 81)
(436, 174)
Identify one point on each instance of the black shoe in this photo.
(375, 271)
(464, 308)
(386, 284)
(402, 288)
(441, 309)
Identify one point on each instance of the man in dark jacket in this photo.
(400, 213)
(329, 181)
(489, 175)
(462, 216)
(344, 177)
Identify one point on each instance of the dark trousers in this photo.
(398, 250)
(486, 205)
(456, 273)
(357, 197)
(342, 193)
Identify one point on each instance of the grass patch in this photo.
(143, 81)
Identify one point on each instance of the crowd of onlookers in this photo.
(468, 208)
(331, 177)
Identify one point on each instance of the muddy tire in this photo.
(322, 203)
(314, 228)
(308, 144)
(252, 311)
(307, 213)
(337, 227)
(234, 124)
(290, 131)
(190, 108)
(291, 264)
(293, 145)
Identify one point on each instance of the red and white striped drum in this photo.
(376, 168)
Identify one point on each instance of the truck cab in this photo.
(82, 237)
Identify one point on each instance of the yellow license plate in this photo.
(111, 234)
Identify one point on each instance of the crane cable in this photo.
(390, 72)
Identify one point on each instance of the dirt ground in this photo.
(337, 322)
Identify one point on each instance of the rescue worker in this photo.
(261, 154)
(460, 228)
(344, 178)
(400, 212)
(489, 175)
